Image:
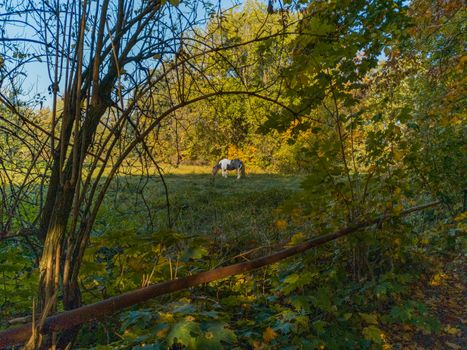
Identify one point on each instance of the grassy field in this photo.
(302, 300)
(243, 211)
(212, 223)
(132, 235)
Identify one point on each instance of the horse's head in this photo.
(215, 169)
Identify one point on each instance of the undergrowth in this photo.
(311, 301)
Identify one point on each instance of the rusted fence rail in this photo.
(69, 319)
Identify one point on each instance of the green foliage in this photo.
(415, 313)
(372, 134)
(339, 44)
(18, 280)
(309, 300)
(229, 125)
(302, 302)
(211, 221)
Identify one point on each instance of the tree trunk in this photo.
(63, 249)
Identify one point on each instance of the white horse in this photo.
(227, 164)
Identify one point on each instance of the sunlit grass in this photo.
(204, 169)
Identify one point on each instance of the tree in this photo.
(430, 72)
(229, 125)
(350, 177)
(112, 65)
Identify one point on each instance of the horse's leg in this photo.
(224, 172)
(238, 173)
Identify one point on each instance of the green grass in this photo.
(224, 210)
(212, 223)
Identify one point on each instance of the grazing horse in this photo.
(227, 164)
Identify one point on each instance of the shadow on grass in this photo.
(251, 183)
(199, 206)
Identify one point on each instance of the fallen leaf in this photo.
(162, 332)
(209, 335)
(452, 330)
(269, 334)
(437, 279)
(280, 224)
(453, 346)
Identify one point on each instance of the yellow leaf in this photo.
(209, 335)
(166, 317)
(257, 345)
(452, 330)
(437, 279)
(398, 208)
(461, 216)
(373, 333)
(398, 154)
(269, 334)
(296, 238)
(296, 212)
(424, 241)
(280, 224)
(453, 346)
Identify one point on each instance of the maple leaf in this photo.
(452, 330)
(269, 334)
(280, 224)
(453, 345)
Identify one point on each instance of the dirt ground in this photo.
(444, 292)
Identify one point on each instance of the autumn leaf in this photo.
(398, 208)
(398, 155)
(162, 332)
(269, 334)
(209, 335)
(453, 346)
(166, 317)
(280, 224)
(452, 330)
(438, 279)
(296, 239)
